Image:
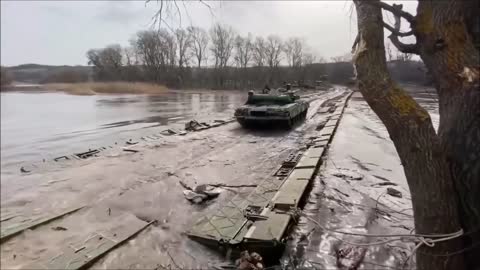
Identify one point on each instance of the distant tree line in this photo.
(195, 57)
(218, 58)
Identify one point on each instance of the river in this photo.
(37, 126)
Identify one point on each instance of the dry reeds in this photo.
(93, 88)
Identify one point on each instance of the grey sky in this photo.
(61, 32)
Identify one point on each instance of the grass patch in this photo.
(93, 88)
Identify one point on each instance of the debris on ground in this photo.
(87, 154)
(170, 132)
(349, 175)
(233, 186)
(393, 192)
(130, 142)
(130, 150)
(350, 257)
(200, 193)
(321, 125)
(249, 261)
(192, 125)
(23, 170)
(384, 184)
(59, 228)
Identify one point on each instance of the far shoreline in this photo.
(102, 88)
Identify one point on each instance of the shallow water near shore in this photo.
(36, 126)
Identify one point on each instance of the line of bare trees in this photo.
(195, 57)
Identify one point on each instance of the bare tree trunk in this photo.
(411, 130)
(449, 52)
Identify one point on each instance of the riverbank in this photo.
(90, 88)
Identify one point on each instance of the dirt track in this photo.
(122, 187)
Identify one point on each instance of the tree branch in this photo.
(396, 32)
(394, 10)
(402, 47)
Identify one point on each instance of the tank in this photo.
(272, 110)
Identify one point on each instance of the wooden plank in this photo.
(11, 231)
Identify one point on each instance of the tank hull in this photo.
(262, 118)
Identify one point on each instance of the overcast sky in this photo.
(61, 32)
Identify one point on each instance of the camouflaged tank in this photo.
(269, 109)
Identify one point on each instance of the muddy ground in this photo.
(119, 188)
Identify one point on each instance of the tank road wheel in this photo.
(242, 123)
(289, 123)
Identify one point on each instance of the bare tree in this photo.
(112, 56)
(273, 50)
(222, 38)
(200, 41)
(148, 47)
(93, 58)
(321, 59)
(243, 49)
(130, 71)
(107, 62)
(243, 55)
(442, 168)
(308, 59)
(342, 58)
(293, 49)
(168, 47)
(259, 54)
(130, 56)
(184, 42)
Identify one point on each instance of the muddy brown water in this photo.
(37, 126)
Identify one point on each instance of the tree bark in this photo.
(418, 146)
(447, 47)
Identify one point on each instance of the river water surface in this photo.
(37, 126)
